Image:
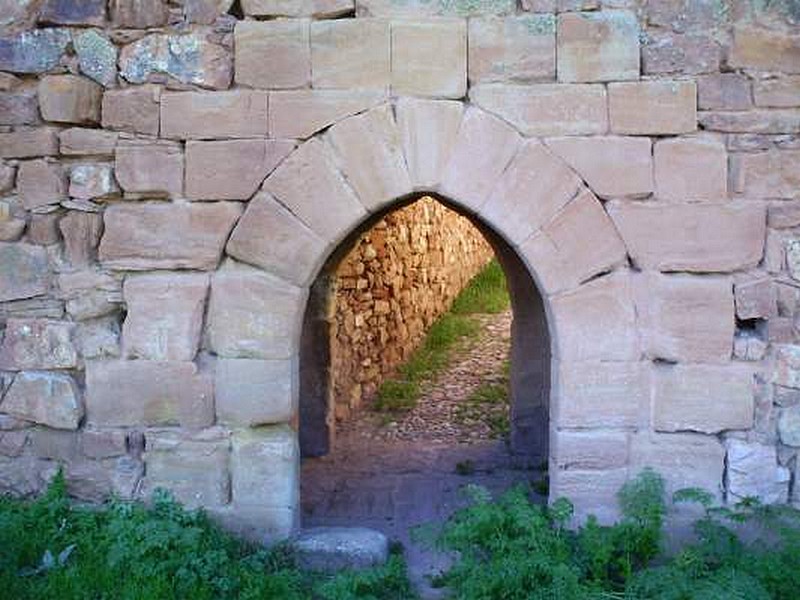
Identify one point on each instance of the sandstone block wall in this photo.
(398, 279)
(168, 195)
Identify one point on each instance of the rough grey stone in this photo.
(38, 344)
(35, 51)
(73, 12)
(47, 398)
(753, 470)
(24, 271)
(97, 57)
(789, 426)
(332, 549)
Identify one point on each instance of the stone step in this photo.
(331, 549)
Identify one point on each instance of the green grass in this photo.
(51, 549)
(486, 293)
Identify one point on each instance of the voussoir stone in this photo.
(70, 99)
(598, 46)
(302, 113)
(166, 236)
(142, 392)
(251, 392)
(612, 166)
(38, 344)
(482, 150)
(208, 115)
(24, 271)
(691, 237)
(753, 471)
(149, 168)
(287, 45)
(368, 149)
(36, 51)
(546, 109)
(691, 169)
(579, 243)
(331, 549)
(271, 237)
(50, 399)
(704, 398)
(165, 315)
(231, 169)
(771, 174)
(428, 129)
(351, 54)
(653, 107)
(253, 314)
(685, 318)
(309, 184)
(134, 109)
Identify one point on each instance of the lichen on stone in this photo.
(97, 57)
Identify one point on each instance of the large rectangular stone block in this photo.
(771, 174)
(29, 143)
(705, 398)
(265, 467)
(85, 141)
(297, 8)
(590, 450)
(691, 237)
(546, 109)
(593, 492)
(252, 392)
(783, 92)
(166, 236)
(132, 393)
(653, 107)
(520, 49)
(50, 399)
(724, 91)
(685, 318)
(598, 46)
(149, 169)
(691, 169)
(351, 54)
(287, 45)
(253, 315)
(429, 58)
(762, 49)
(209, 115)
(302, 113)
(134, 109)
(762, 120)
(70, 99)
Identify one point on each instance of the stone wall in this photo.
(168, 195)
(398, 279)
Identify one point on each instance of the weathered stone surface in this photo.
(331, 549)
(19, 108)
(301, 113)
(97, 57)
(252, 392)
(749, 346)
(753, 471)
(205, 12)
(690, 53)
(351, 54)
(29, 142)
(685, 318)
(787, 366)
(429, 58)
(771, 174)
(194, 470)
(423, 8)
(98, 338)
(683, 459)
(12, 443)
(142, 392)
(73, 12)
(187, 58)
(290, 250)
(253, 315)
(70, 99)
(593, 492)
(546, 109)
(789, 426)
(285, 42)
(296, 8)
(602, 394)
(598, 46)
(24, 271)
(308, 178)
(611, 166)
(756, 298)
(705, 398)
(41, 183)
(247, 163)
(590, 450)
(532, 189)
(691, 169)
(520, 49)
(85, 141)
(793, 258)
(777, 93)
(50, 399)
(691, 237)
(264, 467)
(751, 121)
(35, 51)
(368, 150)
(470, 176)
(579, 243)
(151, 169)
(428, 129)
(724, 91)
(765, 50)
(103, 443)
(8, 176)
(597, 321)
(653, 107)
(138, 14)
(90, 181)
(169, 236)
(165, 315)
(37, 344)
(81, 232)
(43, 229)
(134, 109)
(233, 114)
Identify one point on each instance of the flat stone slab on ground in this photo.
(331, 549)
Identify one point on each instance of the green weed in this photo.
(486, 293)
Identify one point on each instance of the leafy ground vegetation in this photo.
(486, 293)
(508, 549)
